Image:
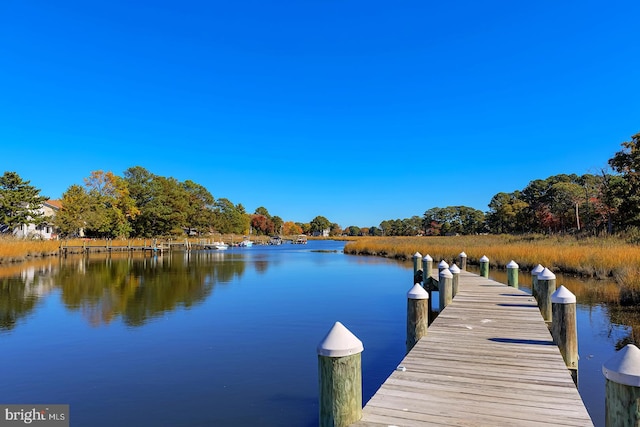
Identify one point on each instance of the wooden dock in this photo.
(488, 359)
(90, 247)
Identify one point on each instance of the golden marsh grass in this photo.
(599, 258)
(12, 249)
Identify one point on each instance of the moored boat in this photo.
(246, 243)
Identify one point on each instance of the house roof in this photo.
(55, 204)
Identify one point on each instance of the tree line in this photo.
(606, 202)
(143, 204)
(139, 204)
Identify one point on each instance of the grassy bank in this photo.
(17, 250)
(599, 258)
(13, 250)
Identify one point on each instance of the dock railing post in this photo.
(534, 279)
(445, 288)
(622, 397)
(417, 315)
(462, 260)
(417, 265)
(512, 274)
(340, 376)
(546, 288)
(484, 267)
(455, 272)
(564, 328)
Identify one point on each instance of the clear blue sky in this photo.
(358, 111)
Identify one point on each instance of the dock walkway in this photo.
(488, 359)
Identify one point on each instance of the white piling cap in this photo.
(446, 273)
(417, 292)
(417, 255)
(427, 257)
(624, 367)
(443, 264)
(484, 259)
(513, 264)
(454, 269)
(463, 255)
(537, 270)
(563, 296)
(546, 275)
(339, 342)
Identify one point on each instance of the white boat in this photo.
(246, 243)
(217, 245)
(275, 240)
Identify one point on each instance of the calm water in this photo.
(216, 338)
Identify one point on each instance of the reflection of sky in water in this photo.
(245, 349)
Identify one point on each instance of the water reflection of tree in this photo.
(610, 295)
(21, 290)
(15, 301)
(626, 316)
(138, 289)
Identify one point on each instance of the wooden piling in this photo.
(417, 263)
(340, 375)
(534, 279)
(622, 398)
(427, 268)
(484, 267)
(443, 265)
(455, 272)
(445, 288)
(417, 315)
(512, 274)
(428, 282)
(546, 288)
(564, 328)
(462, 260)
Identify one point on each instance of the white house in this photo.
(45, 230)
(324, 233)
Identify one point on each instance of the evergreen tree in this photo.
(20, 202)
(627, 163)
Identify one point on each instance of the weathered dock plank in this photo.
(488, 359)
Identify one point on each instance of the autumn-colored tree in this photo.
(335, 229)
(261, 224)
(290, 228)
